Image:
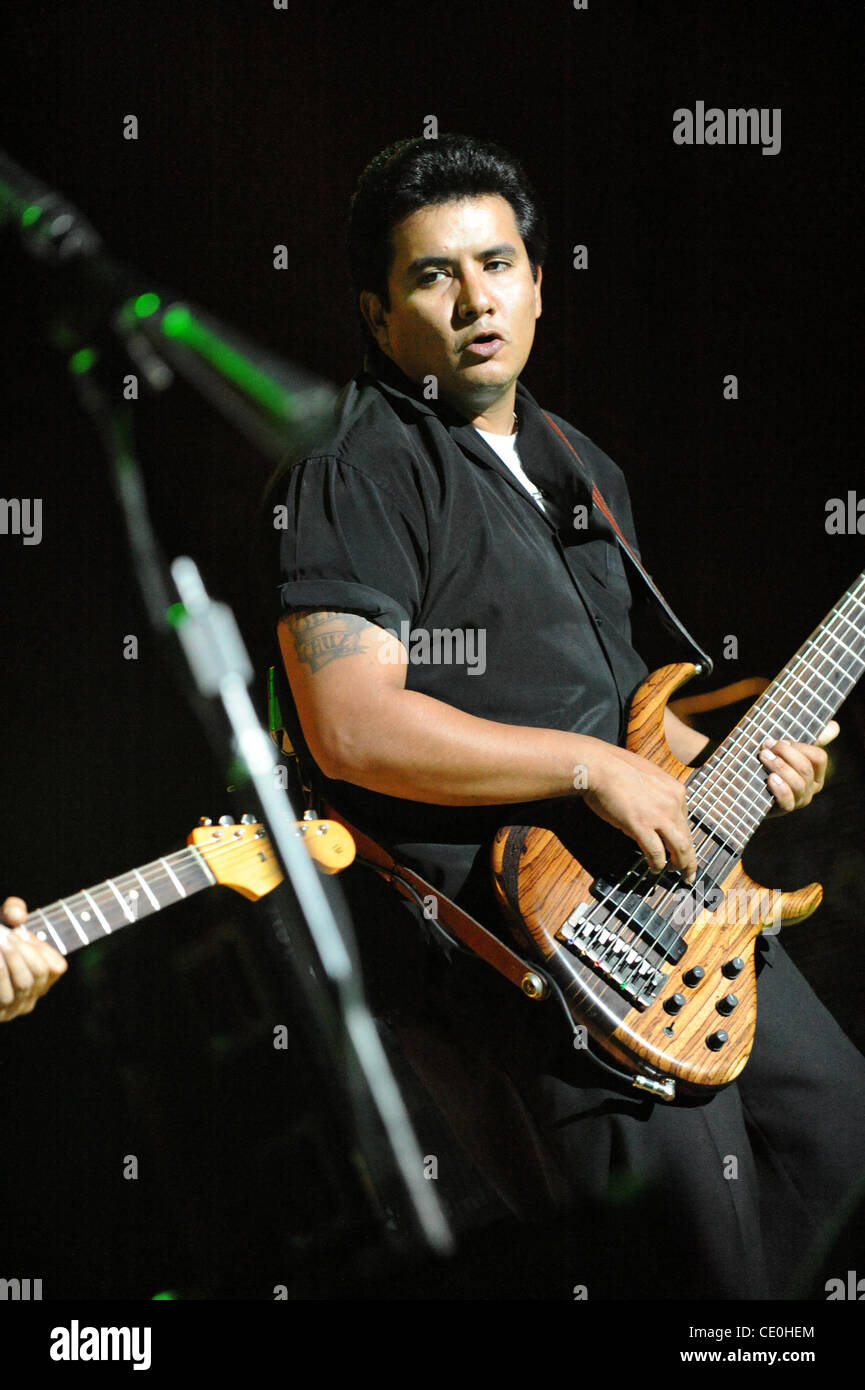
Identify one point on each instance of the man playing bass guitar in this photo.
(456, 634)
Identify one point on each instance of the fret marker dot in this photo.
(85, 916)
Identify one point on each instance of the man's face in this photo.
(463, 304)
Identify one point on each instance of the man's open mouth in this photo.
(485, 344)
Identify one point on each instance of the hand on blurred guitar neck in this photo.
(28, 966)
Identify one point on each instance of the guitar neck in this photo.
(94, 913)
(729, 791)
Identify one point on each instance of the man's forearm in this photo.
(410, 745)
(434, 752)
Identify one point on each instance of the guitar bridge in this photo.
(617, 961)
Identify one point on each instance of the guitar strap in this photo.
(668, 617)
(481, 942)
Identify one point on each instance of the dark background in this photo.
(253, 125)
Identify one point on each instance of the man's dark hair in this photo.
(416, 173)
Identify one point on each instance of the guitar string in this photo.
(770, 707)
(791, 676)
(102, 896)
(803, 659)
(810, 651)
(658, 907)
(782, 692)
(705, 804)
(152, 872)
(718, 780)
(718, 786)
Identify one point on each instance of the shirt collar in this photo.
(384, 370)
(542, 452)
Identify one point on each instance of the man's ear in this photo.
(375, 317)
(539, 274)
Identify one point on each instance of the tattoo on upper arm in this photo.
(320, 638)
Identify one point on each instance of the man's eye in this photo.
(429, 277)
(490, 264)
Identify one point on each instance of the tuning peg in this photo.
(226, 820)
(309, 815)
(205, 820)
(247, 819)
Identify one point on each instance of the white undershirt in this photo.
(505, 446)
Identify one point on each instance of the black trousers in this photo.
(741, 1191)
(726, 1197)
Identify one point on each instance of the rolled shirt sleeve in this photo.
(352, 544)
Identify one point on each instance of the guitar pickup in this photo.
(633, 911)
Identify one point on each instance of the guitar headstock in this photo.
(241, 856)
(329, 844)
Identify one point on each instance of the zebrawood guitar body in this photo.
(662, 977)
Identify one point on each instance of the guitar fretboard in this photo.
(729, 791)
(71, 923)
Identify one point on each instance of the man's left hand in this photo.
(28, 966)
(796, 770)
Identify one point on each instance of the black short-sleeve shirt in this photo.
(508, 612)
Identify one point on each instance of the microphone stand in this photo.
(281, 408)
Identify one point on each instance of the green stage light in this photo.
(180, 324)
(145, 305)
(81, 361)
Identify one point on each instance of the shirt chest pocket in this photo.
(601, 566)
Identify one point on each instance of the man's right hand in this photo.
(28, 966)
(644, 802)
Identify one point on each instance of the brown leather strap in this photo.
(528, 979)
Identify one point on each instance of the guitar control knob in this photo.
(716, 1040)
(694, 976)
(733, 967)
(674, 1003)
(727, 1004)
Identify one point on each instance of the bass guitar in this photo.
(237, 856)
(661, 974)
